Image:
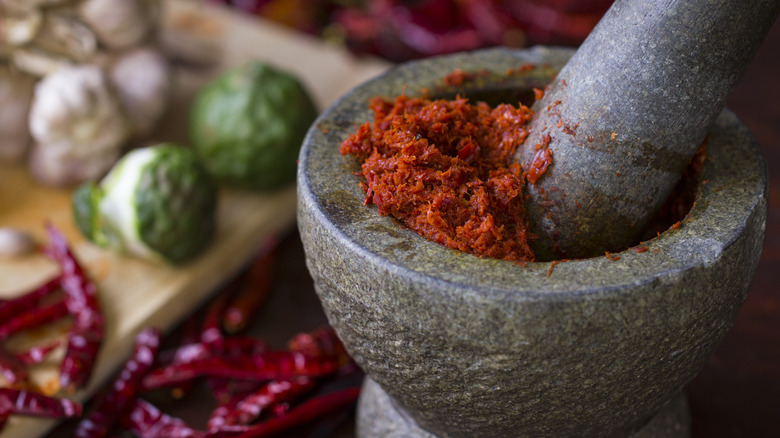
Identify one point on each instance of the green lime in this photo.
(247, 126)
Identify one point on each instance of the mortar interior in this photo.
(384, 237)
(513, 88)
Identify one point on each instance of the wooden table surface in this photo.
(737, 394)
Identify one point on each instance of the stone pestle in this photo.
(627, 113)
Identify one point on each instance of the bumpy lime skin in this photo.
(247, 126)
(84, 202)
(176, 203)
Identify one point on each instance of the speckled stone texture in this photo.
(472, 347)
(634, 103)
(380, 416)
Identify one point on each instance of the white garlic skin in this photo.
(16, 92)
(77, 124)
(15, 242)
(36, 62)
(18, 26)
(142, 78)
(117, 23)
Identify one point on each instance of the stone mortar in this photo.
(380, 416)
(472, 347)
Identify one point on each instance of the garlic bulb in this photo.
(58, 167)
(17, 27)
(142, 79)
(64, 34)
(37, 62)
(16, 91)
(29, 5)
(77, 124)
(118, 23)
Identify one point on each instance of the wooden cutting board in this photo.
(137, 294)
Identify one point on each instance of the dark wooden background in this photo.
(738, 392)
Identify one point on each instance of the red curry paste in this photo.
(446, 169)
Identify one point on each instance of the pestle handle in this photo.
(626, 114)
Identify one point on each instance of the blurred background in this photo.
(400, 30)
(738, 392)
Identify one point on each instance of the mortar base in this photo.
(378, 416)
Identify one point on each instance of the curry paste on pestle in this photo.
(446, 169)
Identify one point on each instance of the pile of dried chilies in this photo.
(249, 380)
(399, 30)
(71, 293)
(258, 391)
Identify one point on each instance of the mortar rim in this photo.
(755, 193)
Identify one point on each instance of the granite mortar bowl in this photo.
(472, 347)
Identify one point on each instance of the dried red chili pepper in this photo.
(322, 342)
(280, 409)
(225, 348)
(190, 334)
(301, 414)
(267, 366)
(249, 408)
(34, 317)
(217, 417)
(228, 347)
(240, 346)
(212, 336)
(110, 405)
(212, 322)
(22, 402)
(23, 303)
(251, 297)
(86, 335)
(12, 368)
(318, 343)
(225, 390)
(36, 354)
(146, 421)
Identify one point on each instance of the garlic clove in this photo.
(16, 91)
(78, 125)
(54, 166)
(118, 23)
(30, 5)
(64, 34)
(15, 242)
(18, 28)
(38, 62)
(142, 78)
